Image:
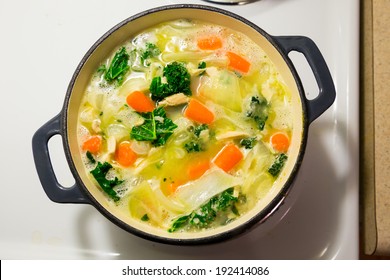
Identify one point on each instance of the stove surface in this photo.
(320, 217)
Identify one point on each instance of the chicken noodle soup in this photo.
(185, 126)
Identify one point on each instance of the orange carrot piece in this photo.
(173, 186)
(140, 102)
(210, 43)
(92, 144)
(196, 170)
(238, 62)
(124, 155)
(280, 142)
(198, 112)
(228, 157)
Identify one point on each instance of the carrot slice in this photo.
(197, 169)
(210, 43)
(238, 62)
(228, 157)
(124, 155)
(198, 112)
(280, 142)
(140, 102)
(92, 144)
(173, 186)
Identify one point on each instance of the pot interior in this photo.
(128, 29)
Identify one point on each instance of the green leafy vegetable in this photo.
(158, 89)
(198, 129)
(248, 143)
(100, 173)
(278, 164)
(196, 144)
(118, 67)
(204, 215)
(207, 213)
(258, 110)
(145, 218)
(150, 51)
(179, 223)
(102, 69)
(178, 81)
(90, 157)
(202, 65)
(157, 128)
(192, 147)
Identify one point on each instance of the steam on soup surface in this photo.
(186, 126)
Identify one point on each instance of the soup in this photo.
(186, 126)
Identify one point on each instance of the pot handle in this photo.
(309, 49)
(53, 189)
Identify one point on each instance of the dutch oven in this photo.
(276, 47)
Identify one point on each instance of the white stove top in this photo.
(43, 42)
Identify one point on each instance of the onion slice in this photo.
(196, 193)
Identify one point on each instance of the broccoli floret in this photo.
(178, 81)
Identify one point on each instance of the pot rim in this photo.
(259, 217)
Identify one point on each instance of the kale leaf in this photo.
(202, 65)
(102, 69)
(258, 110)
(207, 213)
(198, 129)
(145, 218)
(157, 128)
(179, 223)
(158, 89)
(178, 81)
(277, 165)
(100, 173)
(90, 157)
(196, 144)
(150, 51)
(192, 147)
(164, 127)
(248, 143)
(118, 67)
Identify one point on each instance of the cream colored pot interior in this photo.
(133, 27)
